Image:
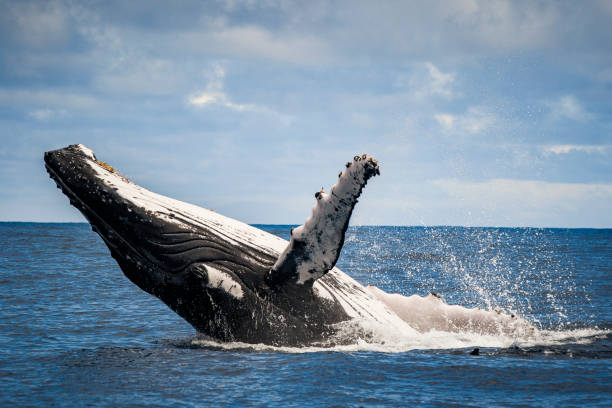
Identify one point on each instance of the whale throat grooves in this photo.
(314, 247)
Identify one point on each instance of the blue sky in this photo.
(491, 113)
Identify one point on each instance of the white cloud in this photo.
(46, 114)
(256, 42)
(476, 120)
(439, 82)
(427, 80)
(568, 148)
(418, 28)
(214, 94)
(525, 192)
(529, 202)
(201, 99)
(447, 121)
(48, 100)
(138, 75)
(503, 23)
(568, 107)
(204, 98)
(38, 25)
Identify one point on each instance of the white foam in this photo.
(392, 342)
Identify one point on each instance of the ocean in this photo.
(76, 332)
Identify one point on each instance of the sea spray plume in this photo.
(229, 280)
(431, 312)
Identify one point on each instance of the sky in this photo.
(481, 113)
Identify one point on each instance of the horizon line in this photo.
(359, 225)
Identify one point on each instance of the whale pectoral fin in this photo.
(315, 246)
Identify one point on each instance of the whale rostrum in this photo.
(232, 281)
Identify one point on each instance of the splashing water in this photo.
(480, 287)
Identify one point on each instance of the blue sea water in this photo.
(76, 332)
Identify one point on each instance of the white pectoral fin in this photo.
(315, 246)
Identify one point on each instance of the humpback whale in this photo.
(234, 282)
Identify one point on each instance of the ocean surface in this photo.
(75, 332)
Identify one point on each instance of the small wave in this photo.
(367, 336)
(546, 343)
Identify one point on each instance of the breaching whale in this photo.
(234, 282)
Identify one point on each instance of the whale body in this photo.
(234, 282)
